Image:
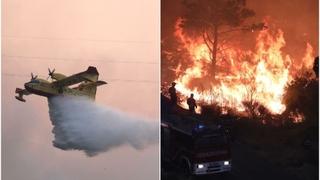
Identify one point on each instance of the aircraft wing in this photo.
(91, 75)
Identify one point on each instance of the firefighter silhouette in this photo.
(191, 103)
(173, 93)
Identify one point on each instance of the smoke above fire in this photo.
(259, 75)
(80, 124)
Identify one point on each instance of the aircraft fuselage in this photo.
(48, 90)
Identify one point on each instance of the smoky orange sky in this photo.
(297, 18)
(120, 38)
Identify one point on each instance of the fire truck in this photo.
(196, 147)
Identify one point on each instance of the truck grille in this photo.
(214, 167)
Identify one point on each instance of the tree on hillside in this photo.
(212, 18)
(302, 94)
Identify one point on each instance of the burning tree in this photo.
(215, 18)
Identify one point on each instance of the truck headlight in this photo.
(200, 166)
(226, 163)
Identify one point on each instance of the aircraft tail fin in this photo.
(20, 92)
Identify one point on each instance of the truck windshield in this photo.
(210, 141)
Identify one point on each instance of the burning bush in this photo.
(301, 98)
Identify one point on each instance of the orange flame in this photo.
(259, 76)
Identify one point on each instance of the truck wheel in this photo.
(184, 165)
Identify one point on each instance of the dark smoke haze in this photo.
(80, 124)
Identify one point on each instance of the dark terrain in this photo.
(247, 165)
(262, 152)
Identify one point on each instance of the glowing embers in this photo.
(296, 117)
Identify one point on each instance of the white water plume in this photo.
(80, 124)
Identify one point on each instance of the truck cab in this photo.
(194, 146)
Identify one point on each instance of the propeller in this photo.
(33, 77)
(50, 73)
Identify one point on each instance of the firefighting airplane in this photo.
(60, 85)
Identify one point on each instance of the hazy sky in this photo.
(120, 38)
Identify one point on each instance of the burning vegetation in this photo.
(252, 75)
(252, 82)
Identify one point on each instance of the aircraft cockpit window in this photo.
(35, 81)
